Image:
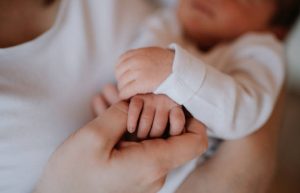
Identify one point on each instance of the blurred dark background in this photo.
(287, 179)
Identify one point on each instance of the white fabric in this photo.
(232, 89)
(46, 85)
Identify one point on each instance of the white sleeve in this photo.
(232, 104)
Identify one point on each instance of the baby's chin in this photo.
(193, 28)
(202, 41)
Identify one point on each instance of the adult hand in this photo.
(108, 96)
(90, 162)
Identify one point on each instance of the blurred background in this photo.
(287, 179)
(293, 52)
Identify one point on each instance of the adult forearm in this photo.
(229, 173)
(241, 166)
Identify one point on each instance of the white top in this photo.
(232, 89)
(46, 85)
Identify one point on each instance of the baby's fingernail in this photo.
(131, 129)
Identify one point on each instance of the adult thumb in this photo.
(106, 130)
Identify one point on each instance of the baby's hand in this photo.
(151, 113)
(142, 70)
(108, 96)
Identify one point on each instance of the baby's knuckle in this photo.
(136, 100)
(135, 61)
(124, 93)
(146, 117)
(138, 75)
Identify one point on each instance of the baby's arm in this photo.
(139, 72)
(232, 103)
(235, 100)
(149, 115)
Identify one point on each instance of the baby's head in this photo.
(209, 22)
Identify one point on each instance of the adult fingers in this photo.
(177, 121)
(154, 158)
(99, 105)
(111, 94)
(174, 151)
(135, 108)
(127, 144)
(160, 123)
(103, 133)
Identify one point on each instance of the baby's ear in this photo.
(280, 32)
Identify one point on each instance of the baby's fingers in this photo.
(135, 108)
(177, 121)
(160, 123)
(126, 78)
(146, 120)
(122, 67)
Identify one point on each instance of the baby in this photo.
(222, 61)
